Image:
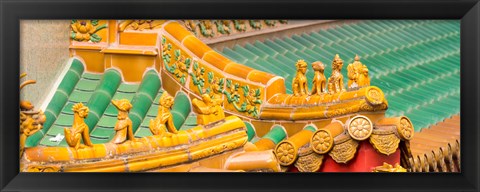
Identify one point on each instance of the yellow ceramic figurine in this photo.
(299, 85)
(335, 81)
(30, 120)
(208, 110)
(319, 80)
(357, 74)
(123, 127)
(164, 119)
(79, 128)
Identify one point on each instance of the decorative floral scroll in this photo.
(85, 30)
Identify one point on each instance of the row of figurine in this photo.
(357, 75)
(208, 110)
(162, 125)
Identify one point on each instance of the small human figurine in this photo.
(164, 119)
(319, 80)
(123, 127)
(299, 85)
(79, 129)
(335, 81)
(208, 110)
(357, 74)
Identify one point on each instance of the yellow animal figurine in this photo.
(335, 81)
(319, 80)
(299, 84)
(79, 128)
(208, 110)
(31, 120)
(357, 74)
(164, 119)
(123, 127)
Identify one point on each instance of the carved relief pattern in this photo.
(40, 168)
(309, 163)
(86, 30)
(215, 28)
(180, 64)
(249, 102)
(286, 153)
(384, 142)
(322, 141)
(345, 151)
(405, 130)
(360, 128)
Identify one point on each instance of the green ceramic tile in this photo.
(122, 95)
(143, 132)
(106, 121)
(68, 109)
(103, 132)
(57, 129)
(128, 88)
(64, 120)
(87, 85)
(80, 96)
(92, 76)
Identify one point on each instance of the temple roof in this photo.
(419, 75)
(416, 63)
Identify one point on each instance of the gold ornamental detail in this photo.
(374, 95)
(344, 150)
(40, 168)
(389, 168)
(405, 129)
(322, 141)
(286, 153)
(360, 127)
(309, 163)
(384, 141)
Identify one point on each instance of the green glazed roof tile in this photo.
(123, 95)
(80, 96)
(87, 85)
(416, 63)
(103, 132)
(143, 132)
(64, 120)
(107, 121)
(128, 88)
(92, 76)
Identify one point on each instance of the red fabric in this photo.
(365, 160)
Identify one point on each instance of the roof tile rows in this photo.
(415, 62)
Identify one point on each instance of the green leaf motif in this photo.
(210, 77)
(74, 21)
(94, 22)
(95, 38)
(177, 54)
(195, 65)
(164, 40)
(229, 83)
(257, 93)
(245, 90)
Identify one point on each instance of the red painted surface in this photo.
(365, 160)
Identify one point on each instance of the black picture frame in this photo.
(11, 12)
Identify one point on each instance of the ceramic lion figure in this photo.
(319, 80)
(335, 81)
(299, 84)
(79, 129)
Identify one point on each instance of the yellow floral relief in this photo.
(85, 30)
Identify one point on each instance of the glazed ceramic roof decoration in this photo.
(250, 100)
